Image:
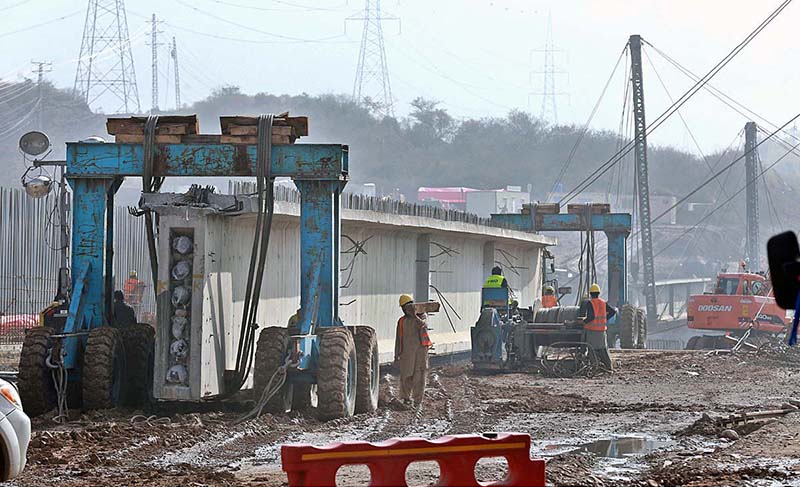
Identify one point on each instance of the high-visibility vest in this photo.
(549, 301)
(600, 316)
(494, 281)
(424, 338)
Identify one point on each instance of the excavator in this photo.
(741, 303)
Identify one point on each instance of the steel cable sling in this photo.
(258, 258)
(151, 184)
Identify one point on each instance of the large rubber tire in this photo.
(369, 370)
(628, 334)
(569, 313)
(641, 328)
(337, 376)
(692, 343)
(35, 380)
(139, 344)
(103, 369)
(271, 350)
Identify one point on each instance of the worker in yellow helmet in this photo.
(549, 299)
(411, 353)
(596, 313)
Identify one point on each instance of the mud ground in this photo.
(655, 396)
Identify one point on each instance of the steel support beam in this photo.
(751, 198)
(616, 226)
(642, 180)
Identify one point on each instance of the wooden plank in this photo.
(299, 124)
(139, 139)
(126, 125)
(138, 129)
(426, 307)
(548, 208)
(594, 208)
(252, 140)
(234, 129)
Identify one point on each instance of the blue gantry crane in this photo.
(100, 364)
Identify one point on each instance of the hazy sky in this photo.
(475, 56)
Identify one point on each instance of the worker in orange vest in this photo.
(597, 313)
(549, 299)
(411, 353)
(133, 289)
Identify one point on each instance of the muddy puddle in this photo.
(618, 447)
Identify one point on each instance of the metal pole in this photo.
(637, 82)
(751, 172)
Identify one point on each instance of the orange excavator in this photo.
(741, 303)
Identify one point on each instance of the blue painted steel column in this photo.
(617, 269)
(319, 252)
(88, 243)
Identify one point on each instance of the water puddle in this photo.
(617, 447)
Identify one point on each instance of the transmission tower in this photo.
(372, 73)
(549, 72)
(41, 68)
(174, 54)
(154, 45)
(101, 77)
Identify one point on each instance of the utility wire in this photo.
(41, 24)
(730, 198)
(591, 179)
(585, 129)
(718, 173)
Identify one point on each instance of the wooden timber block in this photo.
(139, 139)
(594, 208)
(234, 129)
(548, 208)
(253, 140)
(427, 307)
(299, 124)
(167, 125)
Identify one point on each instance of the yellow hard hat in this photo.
(405, 299)
(550, 289)
(594, 288)
(133, 274)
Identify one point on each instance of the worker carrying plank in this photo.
(597, 313)
(411, 353)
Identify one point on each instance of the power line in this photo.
(585, 129)
(41, 24)
(253, 29)
(600, 171)
(730, 198)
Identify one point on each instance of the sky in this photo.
(478, 58)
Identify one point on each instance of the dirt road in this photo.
(644, 414)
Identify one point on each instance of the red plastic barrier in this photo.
(313, 466)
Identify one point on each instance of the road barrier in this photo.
(313, 466)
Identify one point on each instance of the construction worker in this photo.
(549, 299)
(411, 353)
(597, 312)
(496, 280)
(133, 289)
(293, 320)
(123, 314)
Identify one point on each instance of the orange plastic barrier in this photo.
(313, 466)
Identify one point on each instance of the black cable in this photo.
(266, 202)
(589, 180)
(585, 129)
